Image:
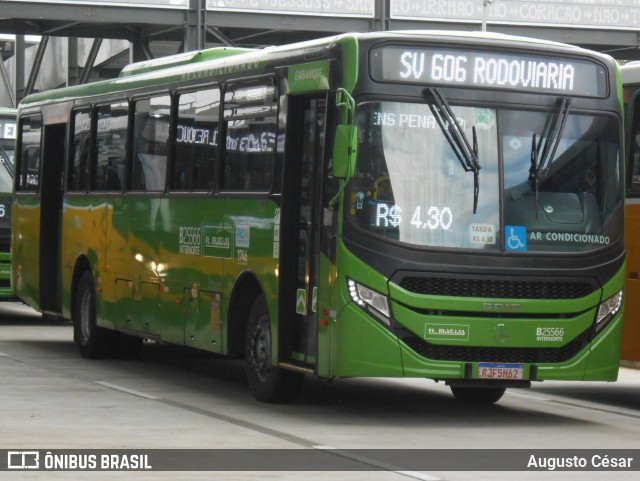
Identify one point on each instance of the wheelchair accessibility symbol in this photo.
(515, 238)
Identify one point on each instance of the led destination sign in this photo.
(535, 73)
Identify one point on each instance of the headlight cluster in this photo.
(370, 300)
(608, 309)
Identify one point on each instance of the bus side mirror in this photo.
(345, 149)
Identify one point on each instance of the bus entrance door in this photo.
(50, 218)
(300, 229)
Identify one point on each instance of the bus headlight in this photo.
(370, 300)
(608, 309)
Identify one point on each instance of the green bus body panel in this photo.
(26, 220)
(252, 227)
(365, 348)
(478, 331)
(615, 284)
(350, 51)
(368, 350)
(604, 360)
(84, 228)
(170, 263)
(574, 316)
(599, 360)
(326, 309)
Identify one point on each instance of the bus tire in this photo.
(93, 341)
(477, 395)
(268, 383)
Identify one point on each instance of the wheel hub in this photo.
(259, 351)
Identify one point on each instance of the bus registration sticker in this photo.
(507, 372)
(483, 234)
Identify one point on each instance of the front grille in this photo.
(498, 289)
(498, 354)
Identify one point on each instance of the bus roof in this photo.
(178, 67)
(181, 59)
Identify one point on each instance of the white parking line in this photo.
(127, 390)
(576, 404)
(373, 462)
(528, 396)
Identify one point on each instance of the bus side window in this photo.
(111, 135)
(150, 149)
(80, 150)
(250, 126)
(196, 140)
(29, 161)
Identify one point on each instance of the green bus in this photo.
(7, 149)
(393, 204)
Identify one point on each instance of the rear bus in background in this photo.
(631, 88)
(7, 153)
(447, 206)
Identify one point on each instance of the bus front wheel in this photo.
(93, 341)
(267, 382)
(478, 395)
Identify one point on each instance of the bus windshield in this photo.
(409, 184)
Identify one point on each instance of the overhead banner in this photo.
(329, 8)
(181, 4)
(606, 14)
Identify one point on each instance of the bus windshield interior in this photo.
(410, 185)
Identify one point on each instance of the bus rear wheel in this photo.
(267, 382)
(478, 395)
(93, 341)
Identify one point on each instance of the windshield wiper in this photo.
(466, 153)
(542, 155)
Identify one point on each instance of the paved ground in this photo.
(172, 398)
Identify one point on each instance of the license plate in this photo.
(505, 372)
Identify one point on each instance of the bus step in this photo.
(295, 367)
